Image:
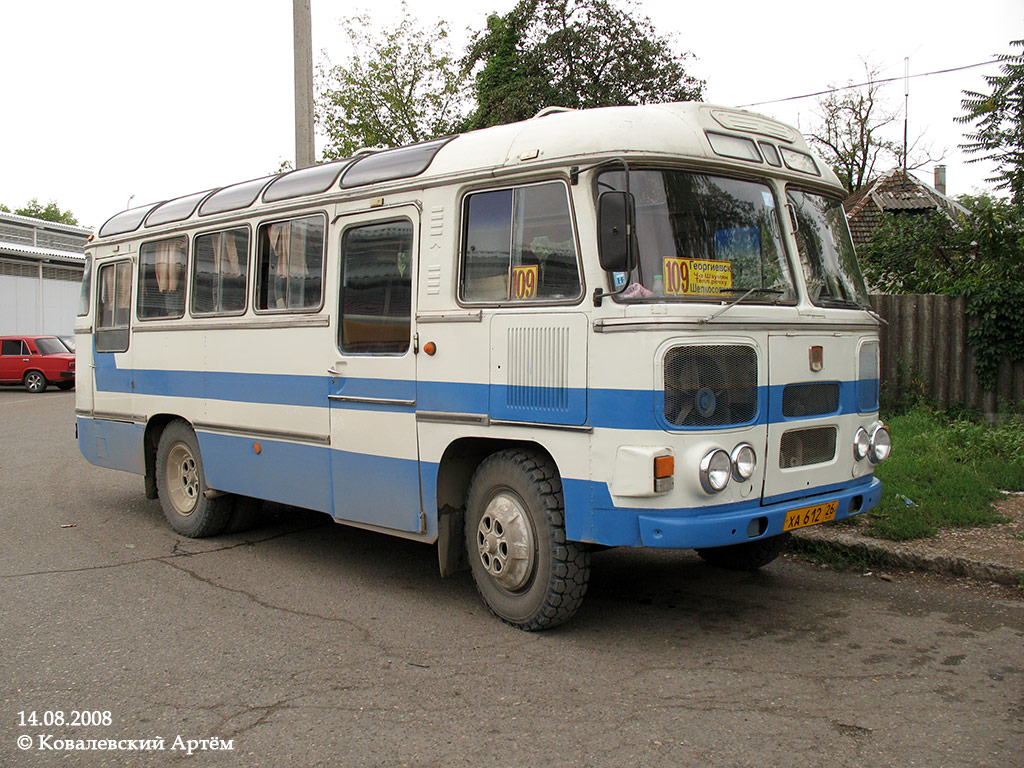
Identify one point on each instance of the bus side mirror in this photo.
(614, 227)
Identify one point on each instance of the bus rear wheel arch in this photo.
(525, 570)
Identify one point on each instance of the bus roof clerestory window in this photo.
(734, 146)
(178, 209)
(392, 164)
(126, 221)
(799, 161)
(235, 197)
(305, 181)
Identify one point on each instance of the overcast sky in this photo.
(111, 101)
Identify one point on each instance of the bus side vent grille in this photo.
(813, 399)
(538, 369)
(803, 447)
(710, 386)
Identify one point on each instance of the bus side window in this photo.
(519, 246)
(114, 310)
(376, 288)
(220, 270)
(162, 278)
(290, 264)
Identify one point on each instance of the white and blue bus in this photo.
(631, 326)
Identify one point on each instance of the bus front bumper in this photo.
(751, 522)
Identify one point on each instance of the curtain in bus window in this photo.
(161, 278)
(106, 309)
(219, 272)
(291, 264)
(123, 302)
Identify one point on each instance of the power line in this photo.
(872, 82)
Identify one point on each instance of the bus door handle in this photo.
(334, 369)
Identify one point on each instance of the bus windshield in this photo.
(703, 238)
(826, 251)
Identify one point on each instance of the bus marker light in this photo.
(664, 469)
(257, 448)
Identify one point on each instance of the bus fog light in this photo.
(881, 444)
(715, 469)
(744, 461)
(861, 444)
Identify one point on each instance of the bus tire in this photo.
(525, 570)
(181, 485)
(35, 382)
(748, 556)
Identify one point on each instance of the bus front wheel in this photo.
(181, 485)
(748, 556)
(525, 570)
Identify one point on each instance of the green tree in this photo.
(400, 85)
(572, 53)
(851, 134)
(49, 212)
(998, 118)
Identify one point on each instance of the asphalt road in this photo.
(305, 643)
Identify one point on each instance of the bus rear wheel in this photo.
(525, 570)
(181, 485)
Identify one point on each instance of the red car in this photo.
(36, 362)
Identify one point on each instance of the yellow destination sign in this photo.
(696, 277)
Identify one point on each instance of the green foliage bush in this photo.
(979, 256)
(945, 471)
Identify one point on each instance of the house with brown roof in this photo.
(895, 193)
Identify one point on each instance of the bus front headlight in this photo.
(861, 444)
(744, 461)
(881, 444)
(715, 470)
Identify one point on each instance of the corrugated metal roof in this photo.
(44, 224)
(18, 249)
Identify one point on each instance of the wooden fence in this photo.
(924, 351)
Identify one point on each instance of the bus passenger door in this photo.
(374, 452)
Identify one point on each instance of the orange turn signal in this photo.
(664, 466)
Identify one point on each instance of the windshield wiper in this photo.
(835, 301)
(730, 305)
(832, 301)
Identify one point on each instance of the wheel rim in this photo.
(505, 541)
(34, 382)
(182, 477)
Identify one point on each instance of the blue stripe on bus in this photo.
(607, 408)
(384, 491)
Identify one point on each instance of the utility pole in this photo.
(303, 28)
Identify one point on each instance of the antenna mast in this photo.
(906, 109)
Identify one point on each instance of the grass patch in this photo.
(843, 558)
(945, 472)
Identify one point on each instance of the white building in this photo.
(41, 265)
